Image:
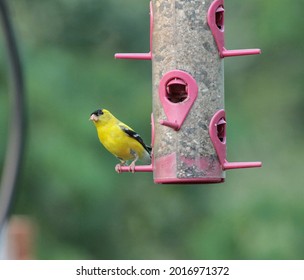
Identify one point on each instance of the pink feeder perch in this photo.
(188, 119)
(140, 56)
(215, 20)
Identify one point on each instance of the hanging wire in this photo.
(17, 125)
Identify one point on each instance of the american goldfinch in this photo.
(119, 139)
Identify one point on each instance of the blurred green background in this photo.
(84, 209)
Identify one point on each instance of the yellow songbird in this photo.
(119, 139)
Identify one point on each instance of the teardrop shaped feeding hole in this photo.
(221, 130)
(219, 17)
(176, 90)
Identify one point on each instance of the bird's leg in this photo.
(132, 165)
(117, 167)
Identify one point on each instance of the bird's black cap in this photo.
(97, 112)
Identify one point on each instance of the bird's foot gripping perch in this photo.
(132, 166)
(119, 168)
(119, 165)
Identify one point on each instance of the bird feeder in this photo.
(187, 49)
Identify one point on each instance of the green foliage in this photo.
(84, 209)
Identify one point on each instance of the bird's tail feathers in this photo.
(149, 150)
(146, 158)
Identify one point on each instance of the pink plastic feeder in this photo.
(188, 119)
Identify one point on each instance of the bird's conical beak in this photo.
(93, 118)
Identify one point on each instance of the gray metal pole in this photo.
(17, 127)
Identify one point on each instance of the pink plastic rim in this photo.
(176, 113)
